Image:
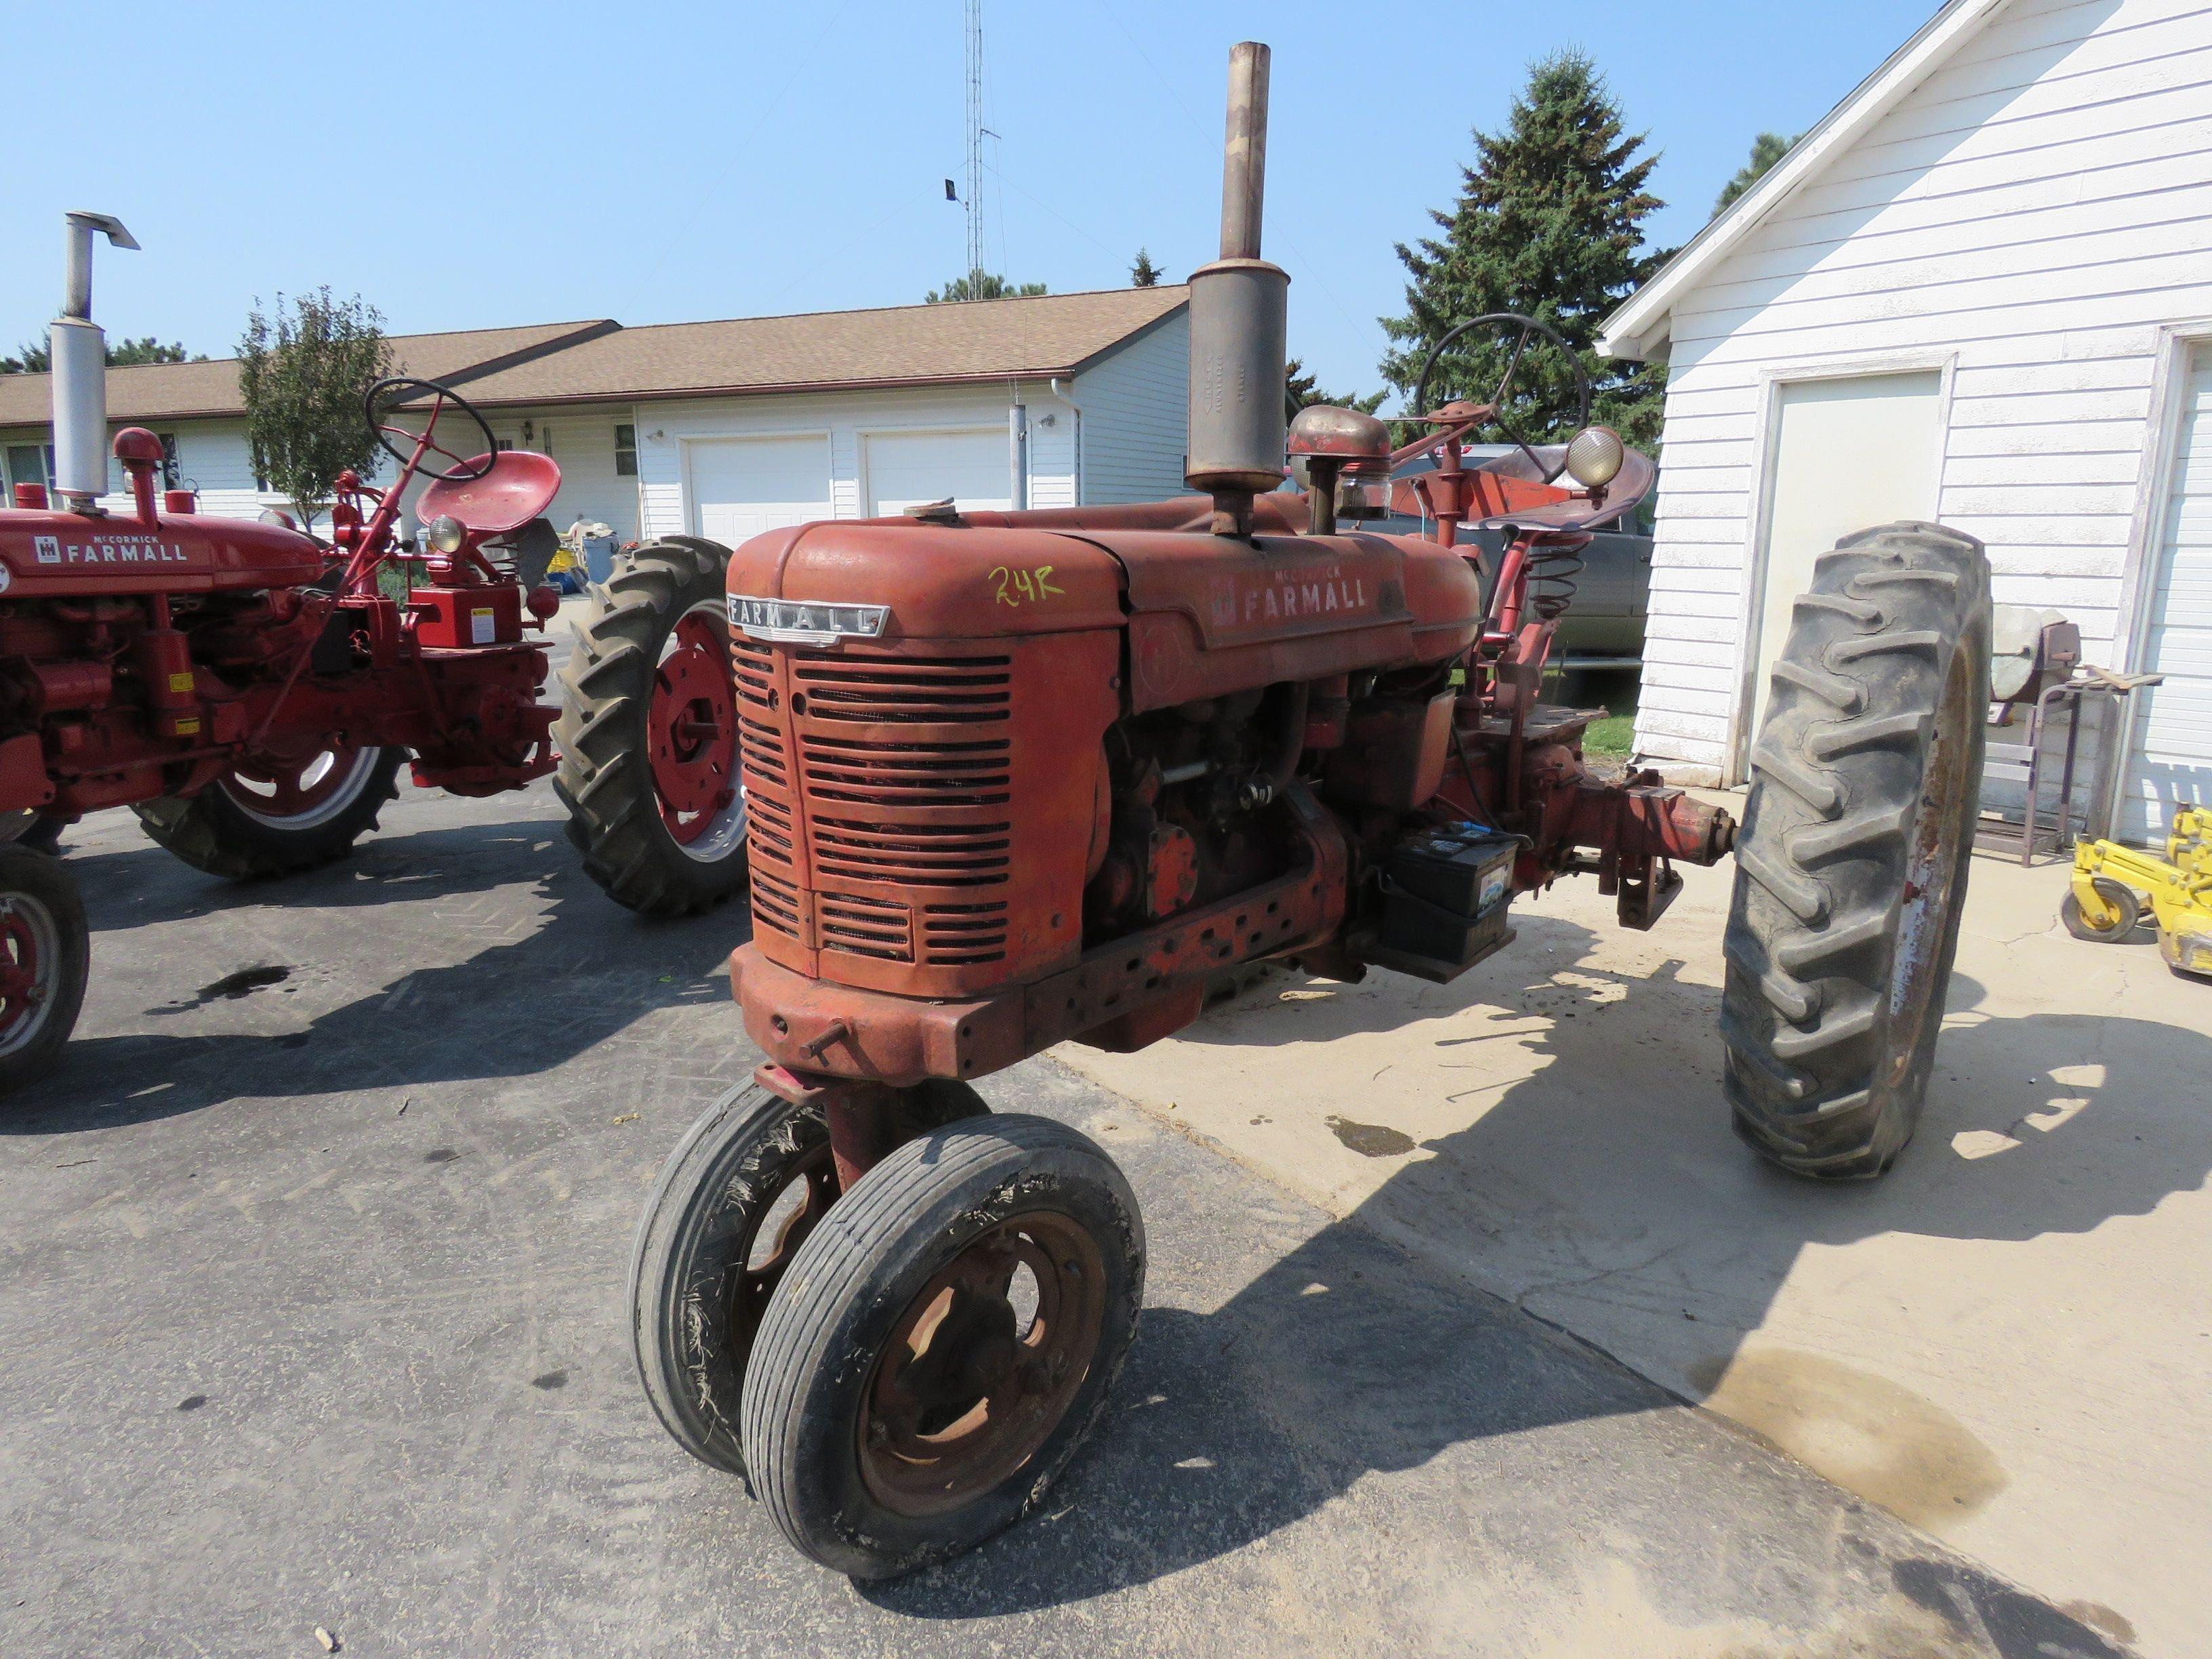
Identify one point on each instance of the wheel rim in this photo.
(771, 1235)
(971, 1384)
(30, 969)
(302, 793)
(691, 735)
(1934, 856)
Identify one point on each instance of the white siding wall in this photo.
(2026, 220)
(662, 429)
(581, 441)
(1136, 417)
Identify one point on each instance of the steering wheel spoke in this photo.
(408, 446)
(1524, 328)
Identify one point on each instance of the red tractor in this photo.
(250, 691)
(1020, 778)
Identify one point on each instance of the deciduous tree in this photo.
(303, 371)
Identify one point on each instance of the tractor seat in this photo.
(519, 486)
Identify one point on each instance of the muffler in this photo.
(80, 370)
(1238, 322)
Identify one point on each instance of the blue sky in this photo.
(476, 164)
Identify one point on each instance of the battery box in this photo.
(467, 615)
(1446, 895)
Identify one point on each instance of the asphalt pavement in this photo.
(311, 1313)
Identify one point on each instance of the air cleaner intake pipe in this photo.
(1237, 322)
(79, 369)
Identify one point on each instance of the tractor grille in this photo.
(879, 790)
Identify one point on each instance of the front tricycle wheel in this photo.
(1852, 861)
(942, 1344)
(45, 959)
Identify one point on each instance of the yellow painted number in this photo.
(1020, 587)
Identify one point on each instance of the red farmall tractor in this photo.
(1020, 778)
(251, 691)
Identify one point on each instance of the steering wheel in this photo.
(383, 402)
(1527, 326)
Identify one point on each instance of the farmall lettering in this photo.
(132, 552)
(1289, 595)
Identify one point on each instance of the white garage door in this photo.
(906, 469)
(2171, 765)
(742, 486)
(1849, 453)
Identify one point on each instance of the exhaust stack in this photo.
(1237, 322)
(80, 370)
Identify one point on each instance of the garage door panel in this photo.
(2169, 765)
(972, 467)
(741, 487)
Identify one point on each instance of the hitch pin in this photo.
(836, 1029)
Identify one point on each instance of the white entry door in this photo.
(974, 468)
(741, 487)
(2170, 762)
(1847, 454)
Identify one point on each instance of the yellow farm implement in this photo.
(2102, 906)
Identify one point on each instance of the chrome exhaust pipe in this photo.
(79, 369)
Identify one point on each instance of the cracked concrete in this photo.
(2008, 1340)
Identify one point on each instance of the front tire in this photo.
(277, 816)
(911, 1393)
(45, 959)
(736, 1200)
(1852, 862)
(648, 735)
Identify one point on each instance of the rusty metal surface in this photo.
(903, 1039)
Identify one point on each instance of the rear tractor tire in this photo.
(46, 956)
(276, 817)
(1851, 865)
(648, 735)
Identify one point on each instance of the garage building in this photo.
(1979, 291)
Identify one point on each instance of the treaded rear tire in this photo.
(1865, 772)
(605, 777)
(211, 832)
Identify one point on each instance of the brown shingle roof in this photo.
(980, 340)
(153, 391)
(568, 362)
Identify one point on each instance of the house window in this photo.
(31, 464)
(625, 450)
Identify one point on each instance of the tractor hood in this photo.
(69, 555)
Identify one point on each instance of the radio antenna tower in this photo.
(975, 203)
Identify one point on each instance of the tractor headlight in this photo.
(283, 521)
(446, 536)
(1595, 457)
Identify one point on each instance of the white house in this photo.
(726, 428)
(1979, 291)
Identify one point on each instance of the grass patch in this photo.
(1614, 737)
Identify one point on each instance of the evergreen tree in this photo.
(981, 284)
(1549, 223)
(1305, 389)
(35, 358)
(1766, 150)
(1144, 273)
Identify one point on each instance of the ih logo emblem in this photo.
(49, 548)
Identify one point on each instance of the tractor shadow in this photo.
(1610, 1168)
(563, 968)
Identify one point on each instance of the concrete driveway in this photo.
(311, 1313)
(2007, 1342)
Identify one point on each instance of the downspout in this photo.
(1067, 395)
(1018, 449)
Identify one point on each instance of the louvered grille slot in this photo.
(774, 902)
(923, 854)
(930, 690)
(955, 933)
(865, 927)
(907, 774)
(755, 674)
